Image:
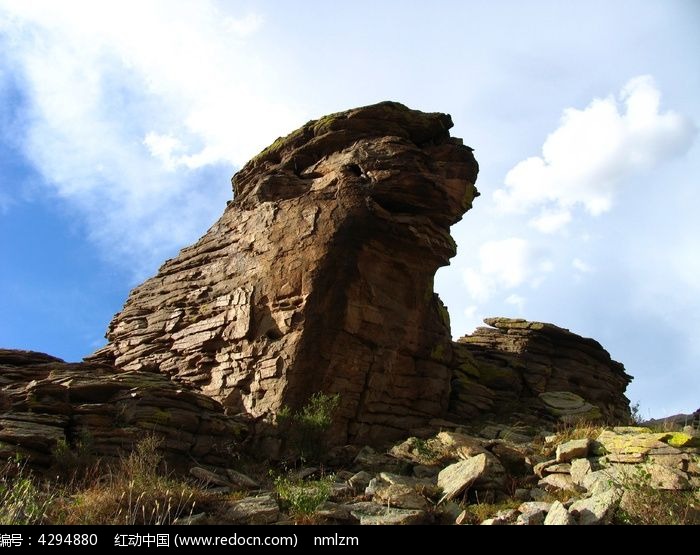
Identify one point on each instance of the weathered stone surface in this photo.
(574, 449)
(46, 401)
(241, 480)
(541, 467)
(664, 477)
(631, 442)
(579, 469)
(555, 482)
(517, 368)
(400, 495)
(558, 515)
(318, 276)
(372, 514)
(532, 513)
(460, 445)
(335, 513)
(559, 468)
(681, 439)
(368, 458)
(516, 459)
(410, 481)
(600, 481)
(208, 477)
(254, 510)
(597, 509)
(507, 516)
(481, 472)
(534, 518)
(360, 480)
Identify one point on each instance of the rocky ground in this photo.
(584, 475)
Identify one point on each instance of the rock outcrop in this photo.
(318, 277)
(46, 403)
(519, 370)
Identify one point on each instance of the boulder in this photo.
(579, 469)
(481, 472)
(373, 514)
(556, 482)
(574, 449)
(597, 509)
(262, 509)
(558, 515)
(400, 495)
(241, 480)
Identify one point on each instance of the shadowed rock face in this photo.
(318, 277)
(527, 371)
(45, 401)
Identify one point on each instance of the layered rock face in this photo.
(45, 402)
(524, 370)
(318, 277)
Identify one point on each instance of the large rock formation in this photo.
(524, 370)
(318, 276)
(45, 402)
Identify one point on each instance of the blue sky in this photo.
(121, 124)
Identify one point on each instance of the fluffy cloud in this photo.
(585, 161)
(506, 265)
(581, 266)
(132, 108)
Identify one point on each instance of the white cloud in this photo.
(581, 266)
(585, 160)
(128, 103)
(550, 221)
(470, 311)
(505, 265)
(517, 301)
(244, 26)
(164, 148)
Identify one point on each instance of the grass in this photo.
(138, 489)
(22, 499)
(643, 504)
(478, 512)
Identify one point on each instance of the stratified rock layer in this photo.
(318, 277)
(522, 370)
(45, 402)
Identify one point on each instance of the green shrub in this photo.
(301, 498)
(73, 463)
(307, 428)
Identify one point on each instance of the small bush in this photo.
(308, 427)
(144, 462)
(301, 497)
(636, 415)
(72, 464)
